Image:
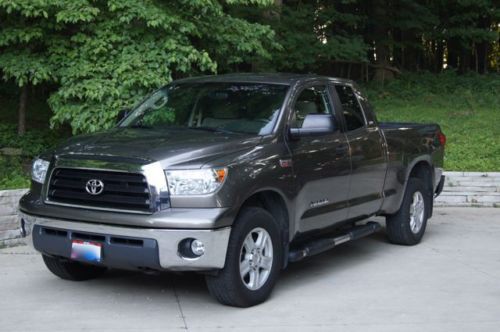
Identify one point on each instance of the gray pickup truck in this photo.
(233, 176)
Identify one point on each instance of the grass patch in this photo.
(466, 107)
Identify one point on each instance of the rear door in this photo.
(321, 164)
(368, 157)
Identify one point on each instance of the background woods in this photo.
(73, 65)
(378, 39)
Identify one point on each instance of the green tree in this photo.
(106, 55)
(314, 34)
(469, 28)
(24, 38)
(377, 39)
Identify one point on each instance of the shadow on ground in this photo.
(298, 274)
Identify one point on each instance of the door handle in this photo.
(341, 149)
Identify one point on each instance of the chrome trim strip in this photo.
(215, 240)
(90, 207)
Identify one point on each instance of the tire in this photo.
(229, 287)
(400, 227)
(70, 270)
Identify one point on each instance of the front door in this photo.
(321, 165)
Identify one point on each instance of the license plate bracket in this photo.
(88, 251)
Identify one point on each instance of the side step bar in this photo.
(317, 246)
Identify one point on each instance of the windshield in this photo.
(250, 108)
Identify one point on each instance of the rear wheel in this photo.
(253, 261)
(407, 226)
(71, 270)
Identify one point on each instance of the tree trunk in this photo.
(381, 36)
(382, 73)
(452, 58)
(410, 51)
(23, 100)
(439, 56)
(482, 48)
(465, 60)
(482, 57)
(398, 52)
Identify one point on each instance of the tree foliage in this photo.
(100, 56)
(106, 55)
(345, 37)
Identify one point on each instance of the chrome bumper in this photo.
(215, 241)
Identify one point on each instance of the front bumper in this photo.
(127, 247)
(178, 218)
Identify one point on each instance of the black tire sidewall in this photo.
(248, 220)
(413, 186)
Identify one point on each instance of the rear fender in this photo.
(403, 176)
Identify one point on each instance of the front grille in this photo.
(122, 190)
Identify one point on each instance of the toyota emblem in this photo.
(94, 187)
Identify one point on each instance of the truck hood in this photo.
(171, 147)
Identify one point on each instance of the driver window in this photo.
(312, 100)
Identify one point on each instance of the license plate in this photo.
(86, 251)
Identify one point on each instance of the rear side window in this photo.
(350, 107)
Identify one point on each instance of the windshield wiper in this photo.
(215, 130)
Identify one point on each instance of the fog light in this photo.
(197, 247)
(191, 248)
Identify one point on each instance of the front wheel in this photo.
(407, 226)
(253, 261)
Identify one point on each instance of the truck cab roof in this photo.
(269, 78)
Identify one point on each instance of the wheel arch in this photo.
(273, 202)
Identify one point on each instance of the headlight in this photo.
(195, 181)
(39, 170)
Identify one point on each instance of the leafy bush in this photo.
(15, 170)
(14, 176)
(32, 143)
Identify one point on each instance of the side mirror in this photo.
(122, 115)
(314, 125)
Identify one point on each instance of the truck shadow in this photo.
(309, 271)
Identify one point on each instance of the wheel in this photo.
(253, 261)
(70, 270)
(407, 226)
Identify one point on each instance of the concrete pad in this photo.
(450, 282)
(32, 299)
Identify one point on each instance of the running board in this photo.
(317, 246)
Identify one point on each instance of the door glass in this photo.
(313, 100)
(350, 107)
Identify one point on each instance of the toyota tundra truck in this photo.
(232, 176)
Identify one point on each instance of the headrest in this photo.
(304, 107)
